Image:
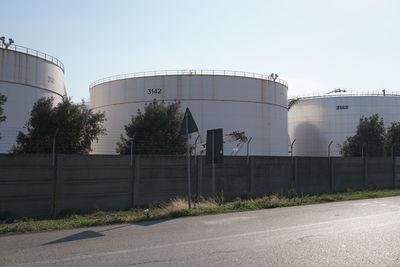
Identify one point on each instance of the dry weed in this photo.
(206, 203)
(275, 198)
(179, 203)
(175, 204)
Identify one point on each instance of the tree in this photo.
(156, 131)
(74, 127)
(371, 132)
(392, 139)
(3, 99)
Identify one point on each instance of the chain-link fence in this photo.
(70, 141)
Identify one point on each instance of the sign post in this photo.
(214, 151)
(188, 126)
(213, 163)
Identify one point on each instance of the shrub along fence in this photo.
(38, 185)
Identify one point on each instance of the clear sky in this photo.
(315, 45)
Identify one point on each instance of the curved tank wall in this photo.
(234, 101)
(316, 121)
(25, 76)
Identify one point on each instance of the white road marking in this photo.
(227, 220)
(118, 252)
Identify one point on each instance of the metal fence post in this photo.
(136, 180)
(55, 170)
(200, 176)
(195, 149)
(132, 165)
(54, 148)
(189, 188)
(329, 149)
(55, 165)
(213, 165)
(131, 141)
(330, 167)
(363, 149)
(365, 165)
(247, 153)
(291, 148)
(294, 164)
(393, 167)
(251, 176)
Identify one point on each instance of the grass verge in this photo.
(178, 208)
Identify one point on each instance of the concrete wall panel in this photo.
(379, 172)
(272, 175)
(26, 184)
(93, 182)
(348, 173)
(312, 175)
(231, 178)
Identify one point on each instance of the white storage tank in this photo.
(232, 100)
(316, 121)
(25, 76)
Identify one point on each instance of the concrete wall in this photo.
(26, 184)
(348, 173)
(160, 178)
(312, 175)
(91, 183)
(231, 178)
(271, 175)
(379, 173)
(31, 186)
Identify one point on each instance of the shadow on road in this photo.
(74, 237)
(94, 234)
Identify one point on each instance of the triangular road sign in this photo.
(190, 126)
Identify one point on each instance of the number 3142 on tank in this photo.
(154, 91)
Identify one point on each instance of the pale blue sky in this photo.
(314, 45)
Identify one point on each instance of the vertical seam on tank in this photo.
(190, 80)
(36, 69)
(144, 87)
(163, 86)
(26, 70)
(2, 60)
(179, 88)
(15, 68)
(201, 104)
(125, 89)
(20, 68)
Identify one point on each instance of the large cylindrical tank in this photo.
(25, 76)
(316, 121)
(234, 101)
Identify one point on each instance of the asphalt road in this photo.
(352, 233)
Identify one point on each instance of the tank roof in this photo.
(189, 72)
(345, 94)
(35, 53)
